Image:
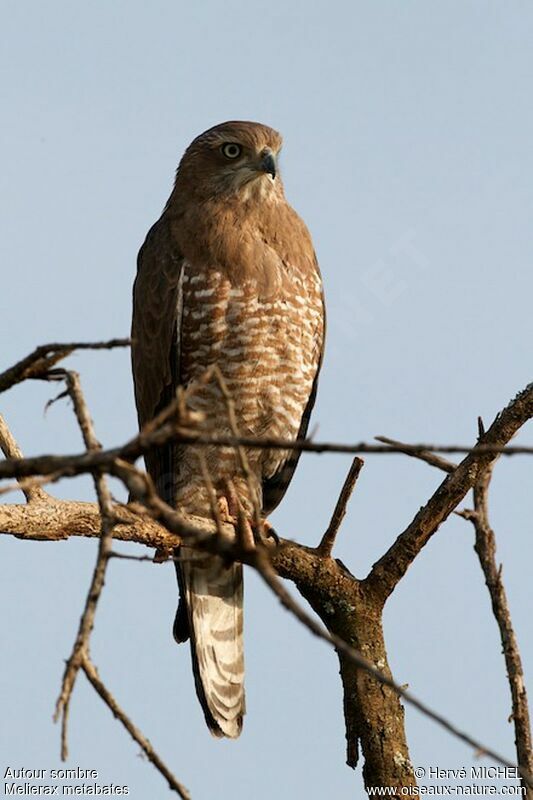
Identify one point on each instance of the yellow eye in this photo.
(231, 150)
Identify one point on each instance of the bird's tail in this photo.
(211, 614)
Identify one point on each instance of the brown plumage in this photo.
(227, 276)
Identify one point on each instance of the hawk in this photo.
(226, 276)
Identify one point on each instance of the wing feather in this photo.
(155, 356)
(210, 607)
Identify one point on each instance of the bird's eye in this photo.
(231, 150)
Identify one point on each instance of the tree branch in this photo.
(46, 356)
(92, 676)
(80, 649)
(416, 452)
(392, 566)
(328, 540)
(485, 547)
(79, 463)
(32, 492)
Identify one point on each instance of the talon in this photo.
(271, 533)
(265, 534)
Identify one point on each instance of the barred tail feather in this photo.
(213, 595)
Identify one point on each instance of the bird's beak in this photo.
(268, 162)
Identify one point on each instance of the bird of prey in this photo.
(226, 276)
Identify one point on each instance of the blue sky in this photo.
(408, 130)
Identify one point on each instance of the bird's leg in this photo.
(251, 529)
(244, 525)
(226, 511)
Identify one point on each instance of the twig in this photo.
(328, 540)
(29, 485)
(485, 547)
(31, 490)
(128, 557)
(36, 364)
(95, 681)
(152, 560)
(423, 455)
(105, 503)
(207, 439)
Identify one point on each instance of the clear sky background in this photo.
(408, 151)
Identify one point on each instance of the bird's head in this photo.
(234, 158)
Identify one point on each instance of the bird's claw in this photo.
(265, 534)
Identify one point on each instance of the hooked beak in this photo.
(268, 162)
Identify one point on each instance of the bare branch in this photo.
(28, 485)
(71, 465)
(154, 560)
(307, 446)
(44, 357)
(58, 520)
(31, 490)
(391, 567)
(416, 452)
(328, 540)
(485, 547)
(95, 681)
(81, 644)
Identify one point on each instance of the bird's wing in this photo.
(154, 349)
(155, 357)
(210, 607)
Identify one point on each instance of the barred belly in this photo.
(266, 345)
